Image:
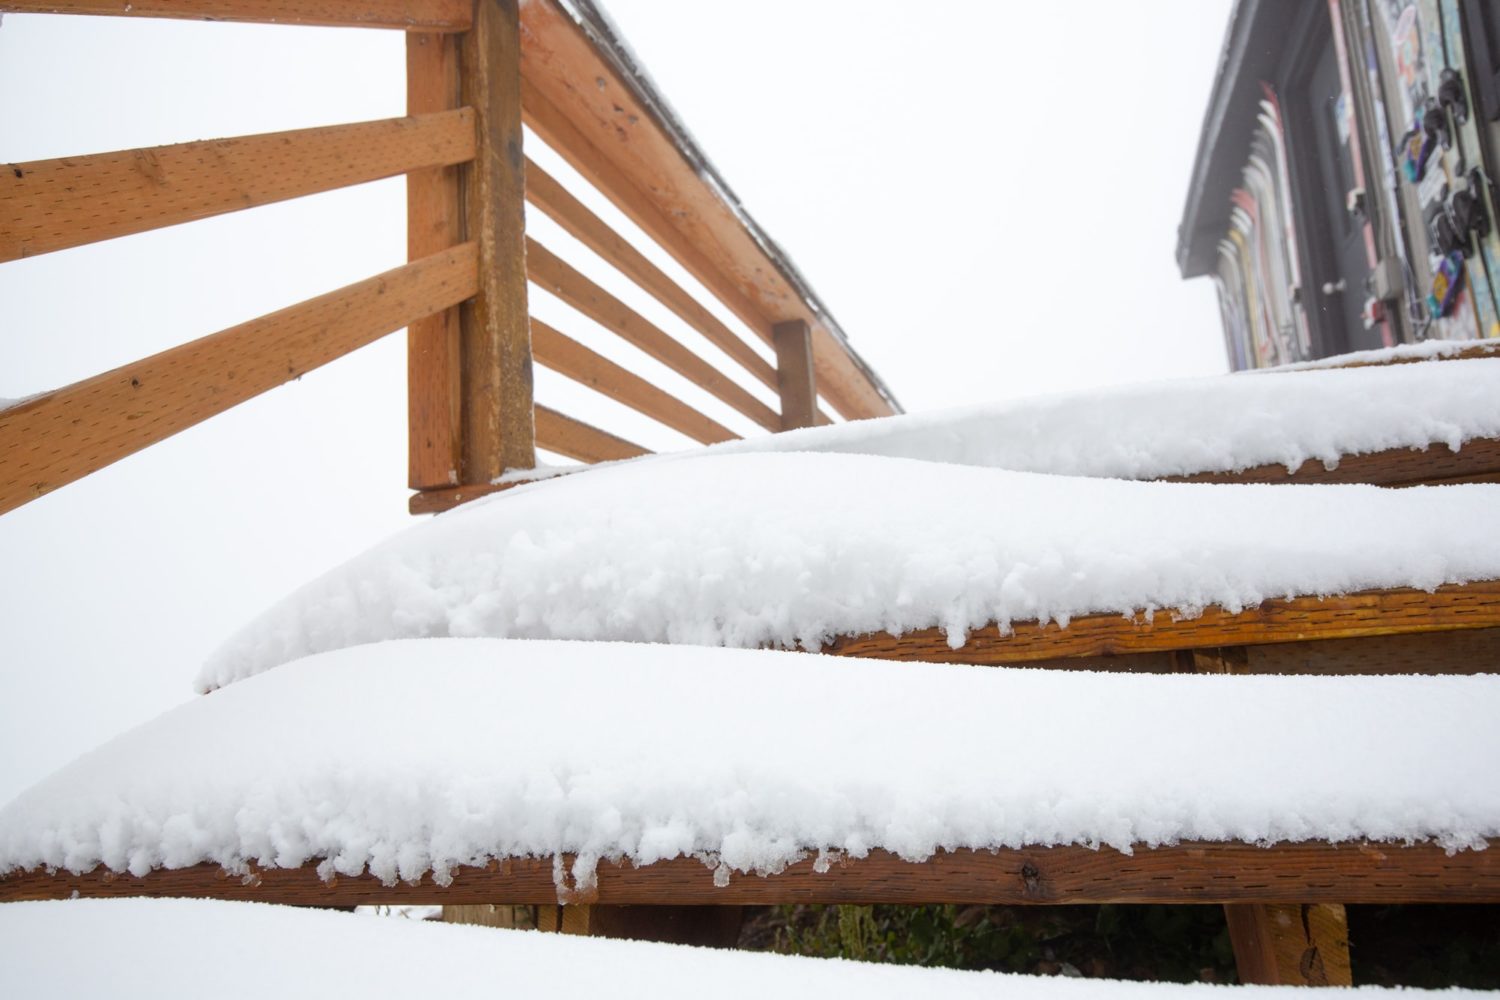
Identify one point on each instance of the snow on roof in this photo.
(461, 751)
(1179, 427)
(179, 949)
(787, 549)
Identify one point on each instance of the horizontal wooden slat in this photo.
(1478, 461)
(49, 205)
(567, 356)
(405, 15)
(1365, 613)
(559, 204)
(1185, 873)
(563, 280)
(607, 133)
(578, 440)
(59, 436)
(1469, 352)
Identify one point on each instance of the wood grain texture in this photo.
(796, 380)
(567, 356)
(578, 440)
(1312, 872)
(57, 437)
(434, 220)
(405, 15)
(573, 287)
(1299, 619)
(608, 124)
(498, 425)
(48, 205)
(1290, 944)
(1478, 461)
(593, 232)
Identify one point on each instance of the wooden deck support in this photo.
(1290, 945)
(796, 379)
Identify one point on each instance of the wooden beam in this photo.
(567, 356)
(1311, 872)
(1469, 352)
(1478, 461)
(1290, 944)
(54, 438)
(593, 232)
(581, 441)
(48, 205)
(1299, 619)
(405, 15)
(573, 287)
(795, 375)
(498, 429)
(568, 81)
(434, 220)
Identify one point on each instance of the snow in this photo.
(177, 949)
(411, 757)
(1178, 427)
(1427, 350)
(787, 549)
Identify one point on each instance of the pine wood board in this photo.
(48, 205)
(578, 440)
(1477, 461)
(404, 15)
(52, 439)
(1311, 872)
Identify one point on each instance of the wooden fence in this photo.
(476, 71)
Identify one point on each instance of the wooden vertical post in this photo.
(794, 374)
(434, 221)
(704, 926)
(498, 428)
(1291, 945)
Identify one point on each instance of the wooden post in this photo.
(794, 374)
(434, 220)
(1290, 945)
(498, 428)
(704, 926)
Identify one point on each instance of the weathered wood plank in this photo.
(1312, 872)
(434, 220)
(1478, 461)
(48, 205)
(1478, 349)
(59, 436)
(569, 284)
(567, 356)
(609, 124)
(795, 375)
(497, 420)
(1347, 616)
(1289, 944)
(405, 15)
(578, 440)
(567, 211)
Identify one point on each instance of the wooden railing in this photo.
(476, 71)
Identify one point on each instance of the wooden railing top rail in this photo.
(403, 15)
(583, 92)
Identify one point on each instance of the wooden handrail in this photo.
(578, 440)
(52, 439)
(48, 205)
(567, 356)
(404, 15)
(593, 232)
(573, 287)
(606, 132)
(1194, 872)
(1478, 461)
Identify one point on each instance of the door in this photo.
(1336, 294)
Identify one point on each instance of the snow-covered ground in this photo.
(781, 549)
(187, 949)
(407, 757)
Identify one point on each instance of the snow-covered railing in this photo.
(474, 71)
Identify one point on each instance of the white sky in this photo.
(985, 196)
